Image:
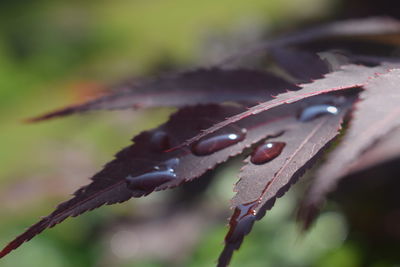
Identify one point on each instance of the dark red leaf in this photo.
(286, 140)
(386, 148)
(260, 185)
(203, 86)
(375, 29)
(365, 28)
(163, 169)
(302, 65)
(350, 76)
(375, 115)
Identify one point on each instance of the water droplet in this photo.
(163, 173)
(313, 112)
(266, 152)
(160, 141)
(241, 222)
(170, 164)
(215, 143)
(150, 180)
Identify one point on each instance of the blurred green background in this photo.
(53, 53)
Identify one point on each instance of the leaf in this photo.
(202, 86)
(366, 28)
(369, 60)
(261, 184)
(350, 76)
(375, 115)
(302, 65)
(146, 155)
(169, 155)
(387, 148)
(377, 29)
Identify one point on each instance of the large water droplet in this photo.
(162, 174)
(215, 143)
(266, 152)
(312, 112)
(150, 180)
(160, 141)
(241, 222)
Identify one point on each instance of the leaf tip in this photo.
(50, 115)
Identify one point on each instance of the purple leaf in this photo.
(203, 86)
(284, 135)
(387, 148)
(350, 76)
(366, 28)
(375, 115)
(144, 166)
(370, 29)
(302, 65)
(261, 184)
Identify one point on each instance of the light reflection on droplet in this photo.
(315, 111)
(332, 109)
(233, 136)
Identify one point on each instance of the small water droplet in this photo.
(266, 152)
(241, 222)
(313, 112)
(160, 141)
(171, 163)
(215, 143)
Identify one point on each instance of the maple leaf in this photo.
(375, 29)
(260, 184)
(363, 133)
(350, 76)
(301, 65)
(386, 148)
(144, 166)
(202, 86)
(285, 133)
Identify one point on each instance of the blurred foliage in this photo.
(55, 52)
